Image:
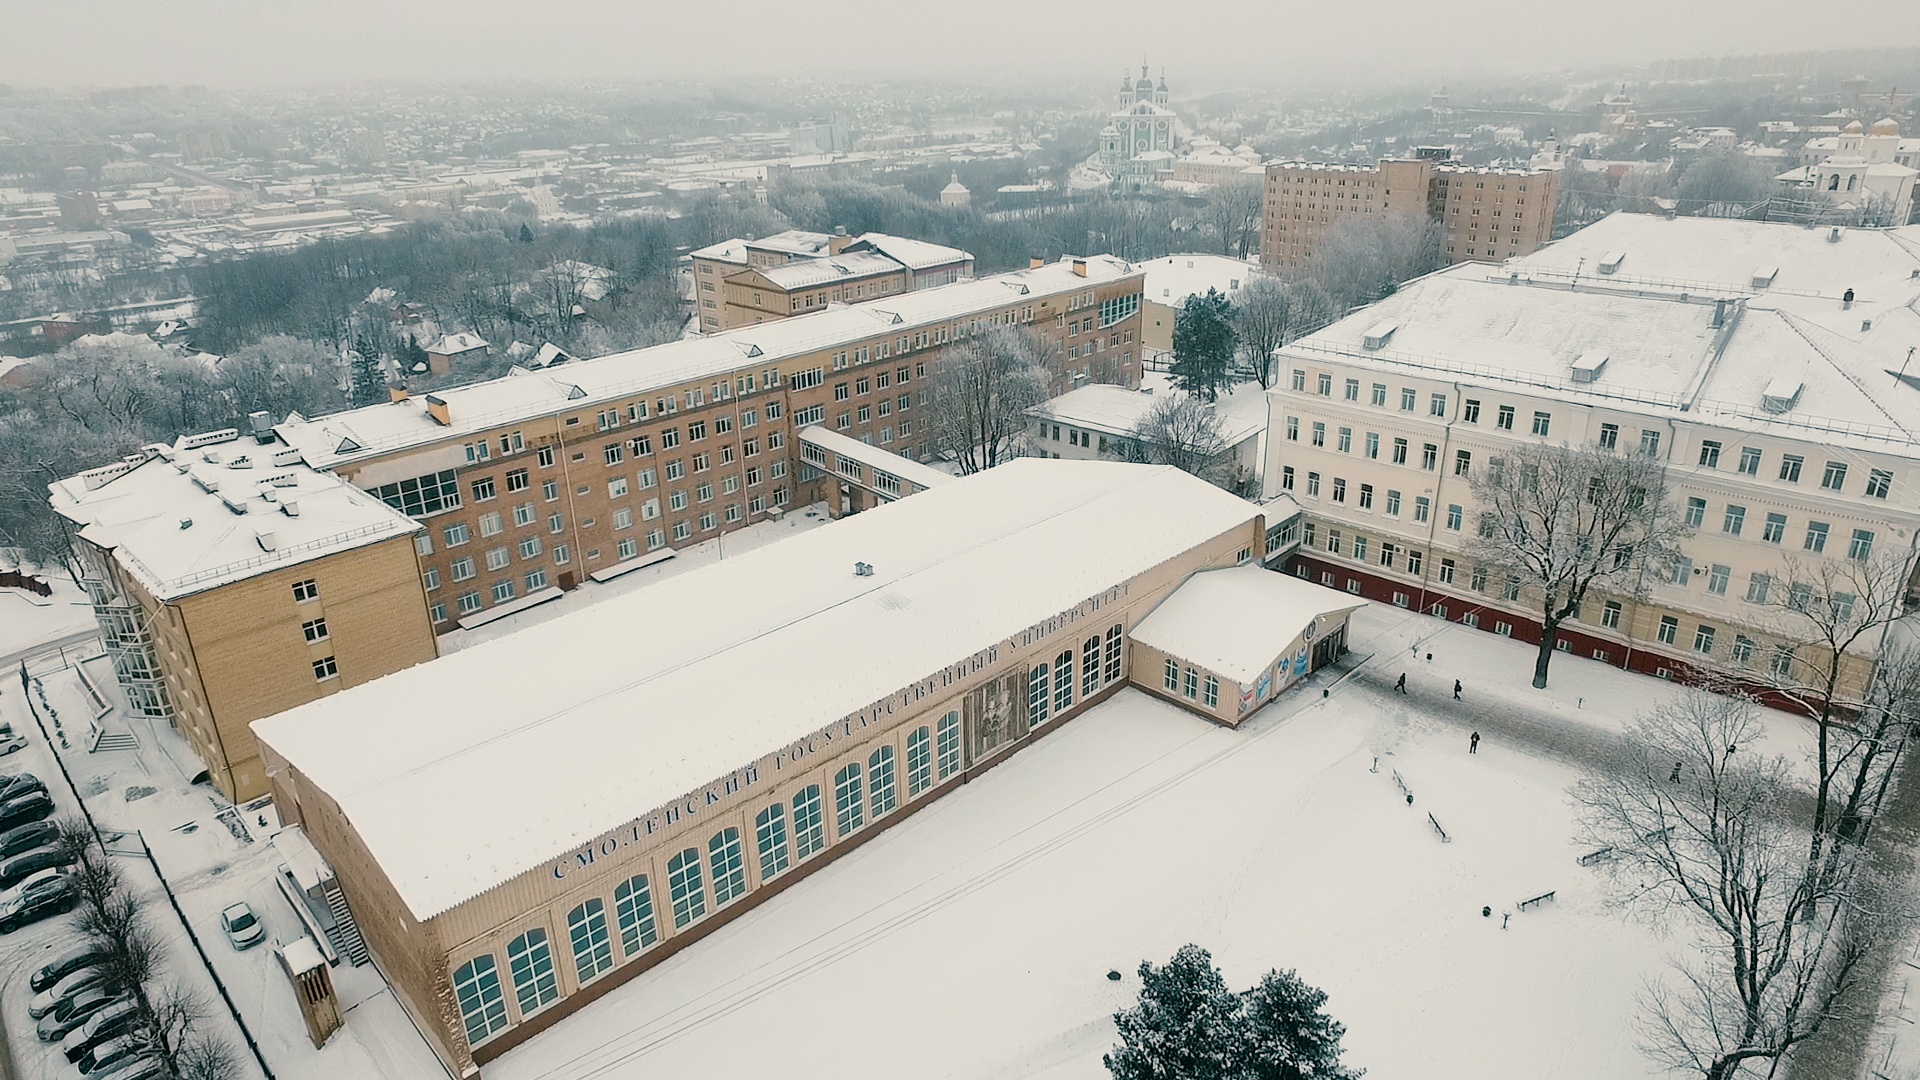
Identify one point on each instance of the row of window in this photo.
(1773, 530)
(785, 833)
(1832, 478)
(1409, 398)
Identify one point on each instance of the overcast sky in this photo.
(277, 42)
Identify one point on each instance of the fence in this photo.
(14, 579)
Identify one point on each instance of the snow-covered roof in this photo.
(454, 344)
(807, 273)
(198, 515)
(389, 426)
(1235, 622)
(733, 251)
(1172, 279)
(485, 778)
(913, 254)
(793, 242)
(1116, 410)
(851, 449)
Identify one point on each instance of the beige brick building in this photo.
(230, 585)
(527, 845)
(529, 485)
(1487, 214)
(746, 282)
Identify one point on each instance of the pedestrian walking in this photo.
(1456, 689)
(1402, 684)
(1675, 778)
(1473, 743)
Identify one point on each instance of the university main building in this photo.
(521, 843)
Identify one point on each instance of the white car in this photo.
(43, 1002)
(9, 742)
(243, 927)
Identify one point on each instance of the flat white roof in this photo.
(805, 273)
(1116, 410)
(185, 521)
(485, 772)
(914, 254)
(923, 476)
(1172, 279)
(582, 384)
(1235, 622)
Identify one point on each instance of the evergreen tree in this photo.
(416, 357)
(1287, 1033)
(1203, 344)
(367, 384)
(1184, 1026)
(526, 234)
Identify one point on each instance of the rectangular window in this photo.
(422, 495)
(1380, 394)
(1293, 428)
(490, 524)
(1346, 440)
(314, 630)
(1609, 436)
(1733, 520)
(1717, 579)
(1669, 629)
(497, 559)
(1462, 462)
(544, 456)
(483, 489)
(1319, 433)
(305, 590)
(1610, 615)
(1437, 405)
(1835, 476)
(430, 578)
(1353, 390)
(1313, 484)
(1504, 421)
(1541, 422)
(1696, 512)
(1775, 528)
(1453, 516)
(1878, 481)
(1399, 451)
(1758, 584)
(1373, 445)
(1862, 545)
(1409, 399)
(467, 602)
(1366, 496)
(1816, 537)
(1470, 411)
(1299, 380)
(1286, 478)
(517, 480)
(461, 569)
(324, 669)
(1421, 507)
(1325, 385)
(1429, 456)
(1650, 442)
(1750, 461)
(1339, 489)
(1709, 454)
(1393, 502)
(1790, 467)
(1742, 649)
(1446, 571)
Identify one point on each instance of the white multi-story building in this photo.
(1871, 173)
(1767, 365)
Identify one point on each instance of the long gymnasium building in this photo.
(523, 825)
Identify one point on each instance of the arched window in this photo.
(849, 813)
(1112, 664)
(1172, 681)
(1090, 666)
(949, 744)
(770, 831)
(729, 872)
(919, 761)
(482, 1007)
(1212, 693)
(633, 907)
(1037, 696)
(683, 885)
(880, 781)
(1852, 181)
(808, 837)
(1063, 682)
(1833, 182)
(530, 959)
(592, 946)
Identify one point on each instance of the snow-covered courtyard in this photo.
(974, 940)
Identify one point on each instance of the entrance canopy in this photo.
(1236, 622)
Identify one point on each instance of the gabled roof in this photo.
(1235, 622)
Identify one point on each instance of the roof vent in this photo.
(208, 438)
(234, 503)
(1763, 276)
(1781, 394)
(1833, 235)
(286, 457)
(1610, 261)
(291, 508)
(266, 539)
(1588, 366)
(262, 425)
(186, 523)
(861, 569)
(1378, 334)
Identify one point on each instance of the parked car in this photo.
(20, 867)
(65, 964)
(14, 785)
(10, 742)
(243, 928)
(33, 806)
(49, 896)
(43, 1002)
(101, 1058)
(74, 1012)
(109, 1023)
(28, 837)
(140, 1068)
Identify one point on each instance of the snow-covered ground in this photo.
(759, 534)
(27, 620)
(974, 939)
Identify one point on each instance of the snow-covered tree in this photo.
(1181, 432)
(1203, 345)
(1288, 1034)
(1269, 315)
(1185, 1024)
(982, 388)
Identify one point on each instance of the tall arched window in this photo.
(633, 907)
(729, 872)
(1211, 695)
(880, 781)
(919, 761)
(1090, 666)
(530, 959)
(1037, 697)
(949, 744)
(683, 885)
(808, 835)
(770, 832)
(1063, 682)
(482, 1006)
(849, 813)
(1112, 665)
(592, 946)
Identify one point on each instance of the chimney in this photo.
(1079, 268)
(397, 392)
(1719, 314)
(1035, 262)
(266, 539)
(437, 408)
(838, 242)
(1846, 300)
(262, 425)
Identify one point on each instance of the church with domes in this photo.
(1137, 145)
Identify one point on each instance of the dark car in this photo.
(75, 1011)
(21, 867)
(28, 837)
(109, 1023)
(54, 896)
(14, 785)
(65, 964)
(145, 1068)
(102, 1058)
(31, 807)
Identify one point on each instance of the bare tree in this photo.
(1269, 315)
(1702, 826)
(205, 1057)
(1232, 211)
(1561, 520)
(1182, 432)
(982, 389)
(1366, 258)
(1830, 616)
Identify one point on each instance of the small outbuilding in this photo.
(1227, 642)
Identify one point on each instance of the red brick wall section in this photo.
(14, 579)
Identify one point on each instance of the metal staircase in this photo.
(345, 933)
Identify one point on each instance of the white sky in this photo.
(269, 42)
